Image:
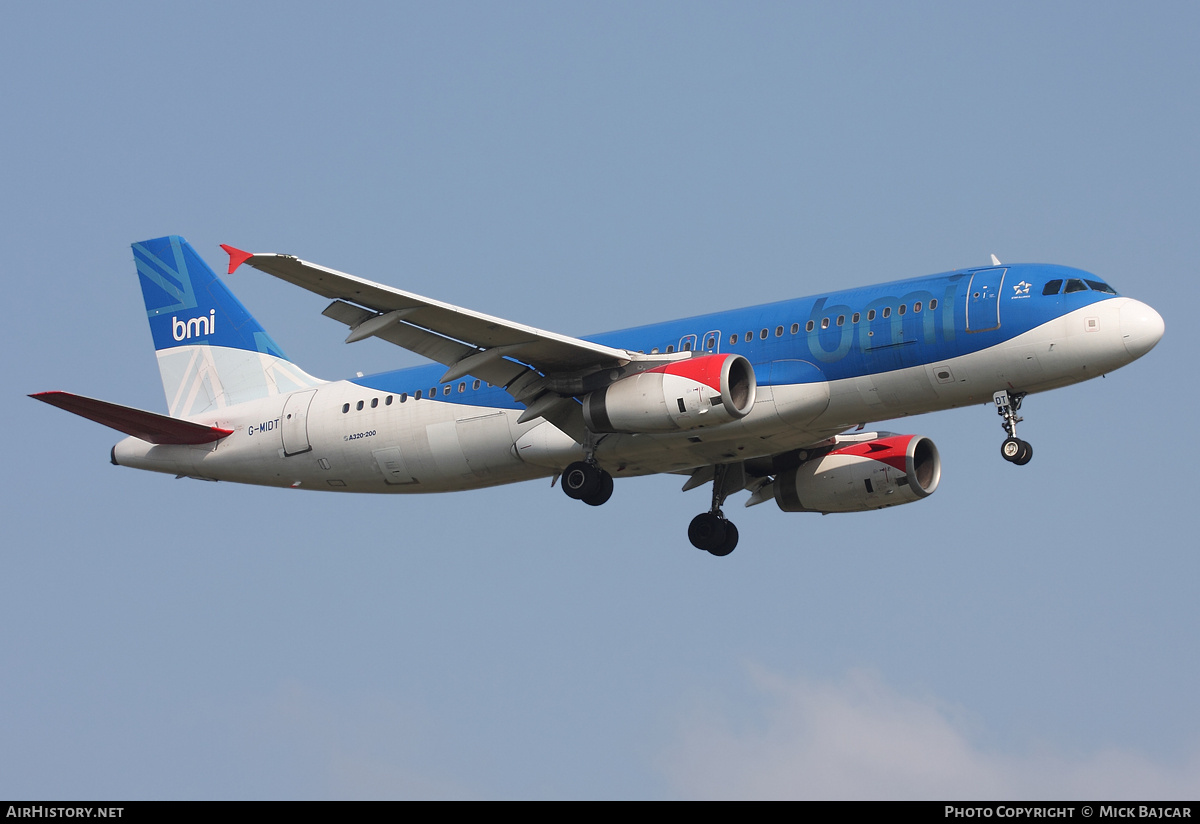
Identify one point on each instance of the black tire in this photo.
(604, 491)
(730, 543)
(707, 531)
(580, 480)
(1026, 454)
(1011, 449)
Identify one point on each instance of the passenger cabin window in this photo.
(1074, 285)
(932, 304)
(417, 396)
(887, 311)
(732, 340)
(388, 400)
(917, 307)
(345, 408)
(359, 406)
(795, 328)
(446, 389)
(374, 403)
(902, 308)
(841, 321)
(763, 334)
(779, 331)
(670, 349)
(462, 386)
(808, 327)
(1052, 287)
(870, 314)
(855, 317)
(475, 385)
(824, 323)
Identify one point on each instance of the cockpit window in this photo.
(1074, 285)
(1101, 286)
(1052, 287)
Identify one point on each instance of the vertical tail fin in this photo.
(212, 353)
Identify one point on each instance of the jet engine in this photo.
(855, 477)
(707, 390)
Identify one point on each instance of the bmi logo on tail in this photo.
(182, 330)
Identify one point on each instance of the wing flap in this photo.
(149, 426)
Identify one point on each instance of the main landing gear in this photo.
(587, 482)
(1014, 450)
(710, 531)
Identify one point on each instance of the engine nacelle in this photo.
(708, 390)
(887, 471)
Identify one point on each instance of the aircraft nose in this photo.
(1141, 328)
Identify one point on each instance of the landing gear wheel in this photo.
(707, 531)
(604, 490)
(1026, 454)
(1011, 449)
(1016, 451)
(730, 543)
(712, 533)
(581, 480)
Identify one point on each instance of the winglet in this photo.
(236, 256)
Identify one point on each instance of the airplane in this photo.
(772, 399)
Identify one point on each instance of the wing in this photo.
(542, 370)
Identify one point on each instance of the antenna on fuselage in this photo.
(995, 260)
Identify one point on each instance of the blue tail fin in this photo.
(212, 353)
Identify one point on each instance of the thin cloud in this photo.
(860, 739)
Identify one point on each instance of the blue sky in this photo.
(1025, 632)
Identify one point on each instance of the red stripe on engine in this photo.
(705, 369)
(892, 451)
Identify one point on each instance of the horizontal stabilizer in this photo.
(149, 426)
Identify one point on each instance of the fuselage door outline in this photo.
(294, 423)
(983, 300)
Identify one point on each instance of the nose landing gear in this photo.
(1014, 450)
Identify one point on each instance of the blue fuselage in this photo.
(856, 332)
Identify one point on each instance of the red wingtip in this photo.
(236, 257)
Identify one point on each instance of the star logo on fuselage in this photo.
(1021, 289)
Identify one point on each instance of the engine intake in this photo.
(887, 471)
(707, 390)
